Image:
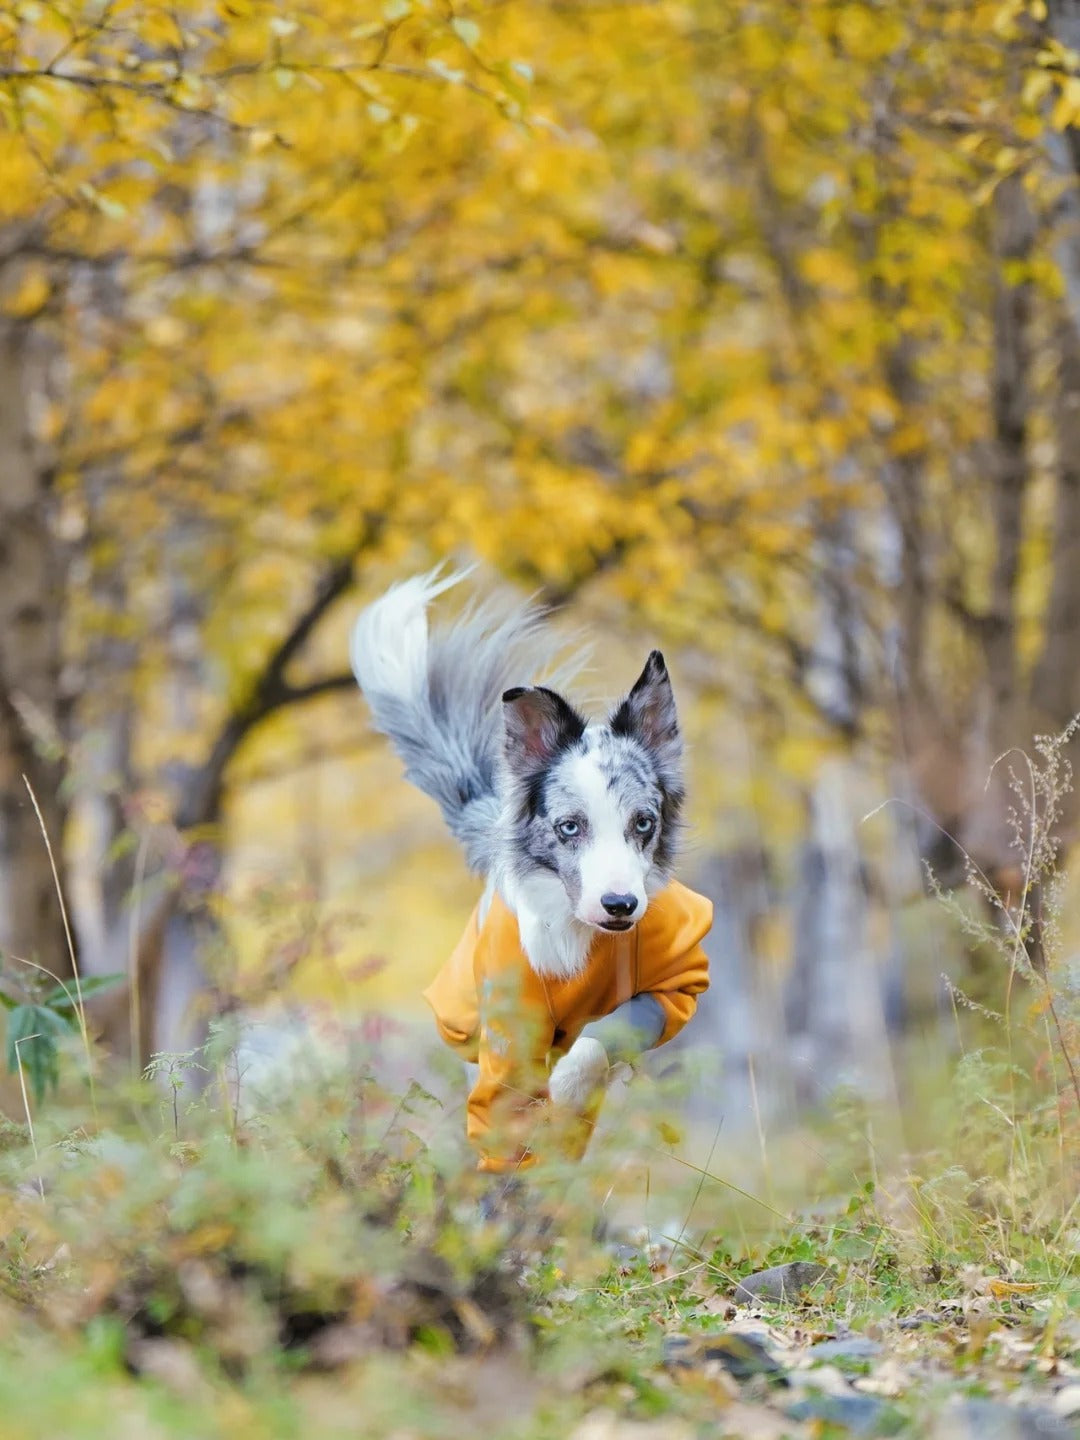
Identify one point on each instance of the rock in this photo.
(340, 1344)
(781, 1282)
(920, 1318)
(857, 1414)
(852, 1347)
(742, 1356)
(605, 1425)
(820, 1380)
(171, 1362)
(754, 1422)
(992, 1420)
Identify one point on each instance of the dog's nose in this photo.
(619, 905)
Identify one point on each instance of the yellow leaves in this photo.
(774, 538)
(1007, 18)
(166, 331)
(467, 31)
(1037, 86)
(644, 449)
(615, 273)
(1066, 108)
(869, 34)
(908, 438)
(29, 295)
(669, 1134)
(659, 311)
(205, 1239)
(800, 756)
(996, 1288)
(830, 269)
(48, 425)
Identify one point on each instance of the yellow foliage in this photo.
(587, 291)
(29, 295)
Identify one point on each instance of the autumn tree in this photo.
(207, 357)
(753, 323)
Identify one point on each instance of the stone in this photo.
(781, 1282)
(742, 1356)
(851, 1347)
(992, 1420)
(857, 1414)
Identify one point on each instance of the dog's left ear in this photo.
(538, 724)
(648, 713)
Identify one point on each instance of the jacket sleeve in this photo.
(676, 971)
(506, 1107)
(452, 994)
(632, 1027)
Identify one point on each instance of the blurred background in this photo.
(749, 330)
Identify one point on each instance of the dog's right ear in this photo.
(539, 723)
(648, 714)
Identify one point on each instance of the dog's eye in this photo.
(644, 825)
(567, 829)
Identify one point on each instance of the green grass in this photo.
(322, 1260)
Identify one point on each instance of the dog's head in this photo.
(596, 805)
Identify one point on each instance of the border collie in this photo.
(571, 823)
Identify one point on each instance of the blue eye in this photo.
(567, 829)
(644, 825)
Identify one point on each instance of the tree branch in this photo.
(201, 802)
(312, 689)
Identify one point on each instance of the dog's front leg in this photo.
(581, 1072)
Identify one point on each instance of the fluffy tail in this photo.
(437, 696)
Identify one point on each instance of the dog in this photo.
(583, 949)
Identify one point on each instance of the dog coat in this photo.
(494, 1009)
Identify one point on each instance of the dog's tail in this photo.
(436, 696)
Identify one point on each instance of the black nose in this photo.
(620, 905)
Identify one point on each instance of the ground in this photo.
(317, 1261)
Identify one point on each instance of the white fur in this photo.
(609, 863)
(579, 1074)
(485, 901)
(554, 935)
(389, 644)
(555, 942)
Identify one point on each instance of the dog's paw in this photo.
(578, 1075)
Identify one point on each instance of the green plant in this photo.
(173, 1065)
(38, 1021)
(1025, 931)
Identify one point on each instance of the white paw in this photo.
(579, 1074)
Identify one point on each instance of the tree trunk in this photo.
(1001, 716)
(836, 1001)
(1056, 686)
(1014, 235)
(31, 612)
(1056, 683)
(951, 750)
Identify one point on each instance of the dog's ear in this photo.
(539, 723)
(648, 714)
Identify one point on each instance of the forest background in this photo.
(748, 330)
(752, 331)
